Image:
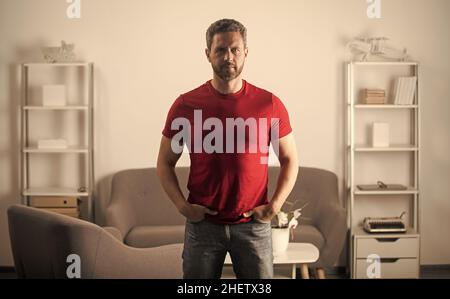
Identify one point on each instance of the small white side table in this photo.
(300, 254)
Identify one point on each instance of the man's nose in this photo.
(228, 55)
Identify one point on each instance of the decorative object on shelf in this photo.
(52, 144)
(64, 53)
(285, 223)
(366, 48)
(373, 96)
(53, 95)
(380, 186)
(385, 224)
(380, 134)
(404, 90)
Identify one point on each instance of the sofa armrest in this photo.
(117, 260)
(115, 232)
(332, 223)
(120, 216)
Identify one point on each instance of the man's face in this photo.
(227, 55)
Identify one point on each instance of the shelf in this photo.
(393, 148)
(83, 104)
(359, 232)
(53, 191)
(57, 64)
(389, 192)
(70, 149)
(385, 63)
(85, 107)
(358, 141)
(385, 106)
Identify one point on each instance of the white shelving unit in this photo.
(398, 163)
(81, 103)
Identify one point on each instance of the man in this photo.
(227, 209)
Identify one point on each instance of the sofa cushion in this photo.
(309, 234)
(154, 235)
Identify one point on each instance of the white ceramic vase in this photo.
(280, 240)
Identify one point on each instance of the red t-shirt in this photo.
(229, 180)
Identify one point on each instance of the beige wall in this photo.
(148, 52)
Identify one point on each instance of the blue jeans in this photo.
(206, 245)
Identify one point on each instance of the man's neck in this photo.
(226, 87)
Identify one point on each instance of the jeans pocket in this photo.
(196, 222)
(260, 222)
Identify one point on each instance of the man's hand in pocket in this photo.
(195, 213)
(263, 213)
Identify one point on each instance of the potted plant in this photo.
(285, 223)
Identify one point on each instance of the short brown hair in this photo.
(225, 25)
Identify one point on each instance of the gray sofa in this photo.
(41, 241)
(145, 216)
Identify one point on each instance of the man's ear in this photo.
(207, 52)
(246, 52)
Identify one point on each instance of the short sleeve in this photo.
(280, 113)
(175, 111)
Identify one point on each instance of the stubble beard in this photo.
(224, 73)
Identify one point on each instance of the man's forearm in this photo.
(170, 184)
(286, 181)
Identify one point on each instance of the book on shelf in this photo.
(373, 96)
(375, 100)
(375, 92)
(404, 90)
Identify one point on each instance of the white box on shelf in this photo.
(53, 95)
(380, 134)
(52, 144)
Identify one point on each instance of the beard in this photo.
(226, 73)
